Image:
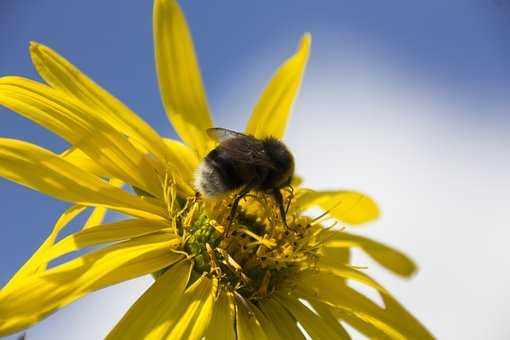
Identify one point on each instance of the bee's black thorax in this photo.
(221, 162)
(245, 161)
(283, 164)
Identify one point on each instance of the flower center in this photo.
(257, 254)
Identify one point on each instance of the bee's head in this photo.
(282, 160)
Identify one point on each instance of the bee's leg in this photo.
(233, 211)
(279, 200)
(235, 203)
(291, 196)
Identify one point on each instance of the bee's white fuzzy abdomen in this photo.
(208, 181)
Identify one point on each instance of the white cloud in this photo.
(439, 169)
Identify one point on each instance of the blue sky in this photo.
(454, 49)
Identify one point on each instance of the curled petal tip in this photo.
(307, 38)
(35, 46)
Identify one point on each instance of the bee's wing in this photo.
(221, 134)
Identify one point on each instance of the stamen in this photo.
(258, 255)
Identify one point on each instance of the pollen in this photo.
(257, 254)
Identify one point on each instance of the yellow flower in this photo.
(261, 280)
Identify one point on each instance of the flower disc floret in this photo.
(256, 254)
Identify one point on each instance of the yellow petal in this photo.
(81, 160)
(328, 315)
(83, 128)
(348, 301)
(183, 157)
(150, 309)
(95, 218)
(180, 81)
(221, 326)
(394, 307)
(371, 326)
(386, 256)
(192, 313)
(350, 273)
(296, 181)
(272, 112)
(38, 261)
(329, 253)
(39, 295)
(352, 319)
(116, 231)
(270, 326)
(42, 170)
(61, 74)
(325, 287)
(334, 256)
(286, 325)
(314, 325)
(346, 206)
(35, 263)
(183, 162)
(362, 325)
(248, 326)
(98, 214)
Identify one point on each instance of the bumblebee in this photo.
(244, 163)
